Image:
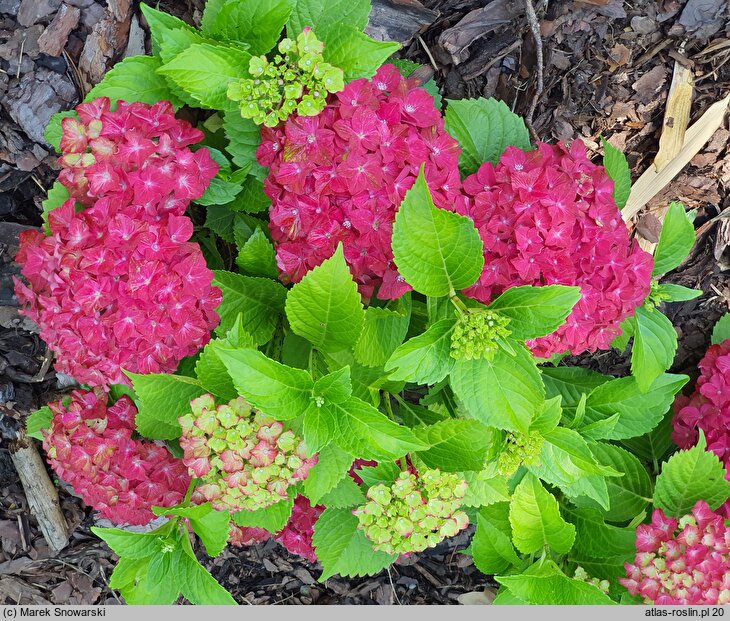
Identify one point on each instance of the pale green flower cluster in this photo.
(297, 80)
(519, 449)
(414, 513)
(582, 575)
(476, 332)
(245, 459)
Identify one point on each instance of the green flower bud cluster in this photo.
(297, 80)
(582, 575)
(519, 449)
(656, 296)
(476, 332)
(414, 513)
(246, 459)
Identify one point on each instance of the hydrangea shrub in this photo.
(420, 340)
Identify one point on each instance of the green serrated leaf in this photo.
(544, 583)
(219, 192)
(280, 391)
(384, 472)
(358, 55)
(257, 256)
(456, 445)
(367, 433)
(596, 539)
(257, 22)
(213, 529)
(345, 494)
(325, 308)
(272, 518)
(571, 383)
(212, 373)
(37, 422)
(204, 71)
(135, 79)
(536, 311)
(160, 22)
(505, 392)
(675, 240)
(536, 520)
(614, 161)
(638, 412)
(492, 547)
(484, 129)
(244, 138)
(324, 15)
(485, 488)
(653, 445)
(335, 387)
(689, 476)
(130, 545)
(438, 252)
(655, 344)
(565, 459)
(721, 331)
(163, 398)
(678, 293)
(426, 358)
(331, 467)
(219, 219)
(383, 331)
(197, 585)
(549, 417)
(343, 549)
(259, 300)
(629, 494)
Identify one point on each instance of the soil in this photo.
(607, 70)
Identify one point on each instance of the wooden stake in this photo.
(40, 492)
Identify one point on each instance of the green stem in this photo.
(460, 306)
(388, 405)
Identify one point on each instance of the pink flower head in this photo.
(90, 446)
(547, 217)
(117, 289)
(708, 409)
(341, 175)
(135, 153)
(683, 561)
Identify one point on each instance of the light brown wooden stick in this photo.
(40, 492)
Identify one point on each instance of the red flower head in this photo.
(117, 289)
(548, 217)
(137, 153)
(118, 285)
(90, 447)
(340, 176)
(708, 409)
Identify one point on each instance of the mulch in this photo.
(607, 70)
